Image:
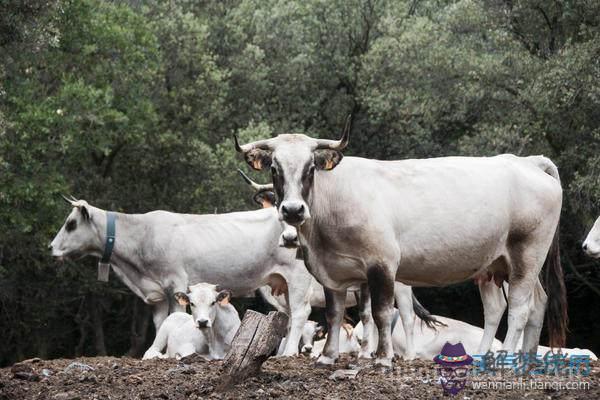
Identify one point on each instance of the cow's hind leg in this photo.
(381, 287)
(494, 306)
(335, 303)
(403, 296)
(527, 258)
(533, 328)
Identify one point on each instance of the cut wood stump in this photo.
(256, 340)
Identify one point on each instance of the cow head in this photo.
(79, 235)
(310, 333)
(292, 160)
(591, 244)
(204, 299)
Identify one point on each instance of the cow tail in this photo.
(557, 319)
(425, 315)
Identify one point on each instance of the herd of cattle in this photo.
(338, 232)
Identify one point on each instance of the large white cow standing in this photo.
(356, 296)
(430, 222)
(160, 253)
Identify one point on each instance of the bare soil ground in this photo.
(286, 378)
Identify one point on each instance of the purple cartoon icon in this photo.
(453, 367)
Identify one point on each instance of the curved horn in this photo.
(67, 199)
(264, 144)
(337, 144)
(256, 186)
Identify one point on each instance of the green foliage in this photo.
(132, 106)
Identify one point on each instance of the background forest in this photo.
(131, 105)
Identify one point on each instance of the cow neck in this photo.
(130, 231)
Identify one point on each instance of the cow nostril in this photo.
(585, 246)
(202, 323)
(50, 246)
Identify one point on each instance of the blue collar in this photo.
(110, 237)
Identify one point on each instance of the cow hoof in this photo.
(324, 361)
(383, 362)
(288, 354)
(365, 354)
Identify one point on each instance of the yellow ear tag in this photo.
(225, 301)
(328, 164)
(182, 300)
(257, 164)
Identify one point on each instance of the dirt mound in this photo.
(287, 378)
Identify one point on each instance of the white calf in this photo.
(208, 331)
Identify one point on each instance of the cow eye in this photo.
(71, 225)
(213, 303)
(192, 305)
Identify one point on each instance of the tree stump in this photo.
(256, 340)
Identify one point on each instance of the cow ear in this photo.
(182, 298)
(223, 297)
(259, 159)
(319, 332)
(327, 159)
(266, 199)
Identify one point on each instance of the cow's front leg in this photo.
(335, 303)
(368, 342)
(160, 312)
(381, 287)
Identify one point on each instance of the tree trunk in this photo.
(97, 325)
(140, 323)
(256, 340)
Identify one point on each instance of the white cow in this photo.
(161, 252)
(349, 341)
(429, 341)
(429, 222)
(208, 331)
(359, 295)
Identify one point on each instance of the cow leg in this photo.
(527, 257)
(160, 311)
(533, 328)
(494, 306)
(364, 310)
(335, 303)
(381, 287)
(403, 296)
(299, 306)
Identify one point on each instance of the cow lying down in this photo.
(428, 341)
(208, 331)
(313, 339)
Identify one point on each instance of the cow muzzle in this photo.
(203, 323)
(294, 212)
